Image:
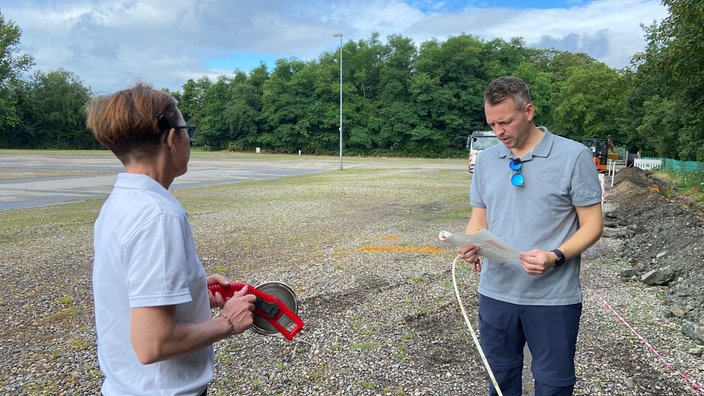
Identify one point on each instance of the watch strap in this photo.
(560, 258)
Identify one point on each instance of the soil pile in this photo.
(664, 241)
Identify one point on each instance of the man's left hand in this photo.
(536, 261)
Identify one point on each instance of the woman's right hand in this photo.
(240, 310)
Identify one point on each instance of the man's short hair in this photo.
(507, 87)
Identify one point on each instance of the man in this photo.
(540, 193)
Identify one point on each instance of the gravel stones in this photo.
(377, 322)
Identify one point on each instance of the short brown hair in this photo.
(131, 122)
(507, 87)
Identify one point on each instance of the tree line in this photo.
(400, 98)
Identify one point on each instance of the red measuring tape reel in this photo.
(276, 308)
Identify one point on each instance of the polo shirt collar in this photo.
(139, 181)
(541, 150)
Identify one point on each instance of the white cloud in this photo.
(111, 44)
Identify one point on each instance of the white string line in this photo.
(691, 382)
(471, 329)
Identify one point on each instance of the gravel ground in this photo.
(360, 249)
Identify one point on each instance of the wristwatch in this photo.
(560, 258)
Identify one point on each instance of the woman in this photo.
(152, 304)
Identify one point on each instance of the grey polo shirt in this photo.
(559, 175)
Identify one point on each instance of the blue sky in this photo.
(110, 44)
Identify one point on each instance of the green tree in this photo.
(289, 108)
(501, 57)
(645, 84)
(396, 117)
(362, 62)
(542, 90)
(215, 124)
(192, 103)
(447, 89)
(558, 63)
(231, 110)
(681, 60)
(665, 96)
(661, 126)
(243, 112)
(12, 64)
(60, 99)
(23, 133)
(589, 102)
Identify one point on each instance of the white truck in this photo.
(478, 141)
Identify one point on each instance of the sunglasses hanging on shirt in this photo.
(517, 177)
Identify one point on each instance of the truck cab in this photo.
(478, 141)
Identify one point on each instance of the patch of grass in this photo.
(81, 344)
(63, 314)
(397, 392)
(32, 225)
(424, 310)
(224, 358)
(363, 346)
(457, 213)
(66, 300)
(220, 269)
(258, 383)
(368, 384)
(356, 322)
(686, 182)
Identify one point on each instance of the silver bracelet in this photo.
(229, 321)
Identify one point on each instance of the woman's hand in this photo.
(216, 300)
(240, 310)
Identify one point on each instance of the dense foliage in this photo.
(402, 98)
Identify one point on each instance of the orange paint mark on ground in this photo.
(390, 238)
(413, 249)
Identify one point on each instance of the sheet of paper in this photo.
(490, 246)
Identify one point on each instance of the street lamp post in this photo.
(340, 36)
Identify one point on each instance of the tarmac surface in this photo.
(44, 178)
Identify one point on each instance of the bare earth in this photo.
(360, 249)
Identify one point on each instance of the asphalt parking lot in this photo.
(45, 178)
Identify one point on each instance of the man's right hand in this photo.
(468, 253)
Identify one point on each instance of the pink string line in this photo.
(692, 382)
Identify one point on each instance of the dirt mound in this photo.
(630, 194)
(663, 234)
(641, 178)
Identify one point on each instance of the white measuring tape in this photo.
(471, 329)
(691, 382)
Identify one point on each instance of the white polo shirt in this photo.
(144, 257)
